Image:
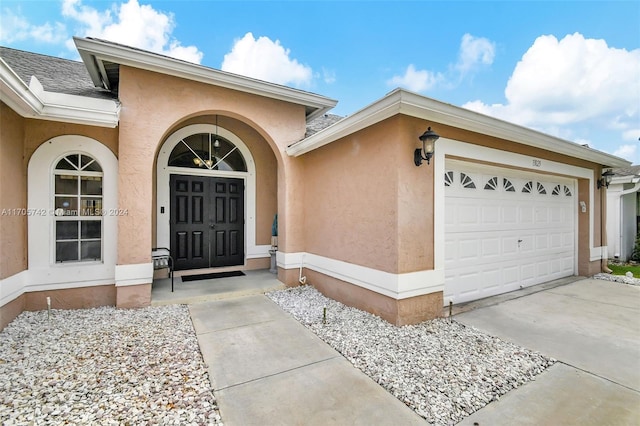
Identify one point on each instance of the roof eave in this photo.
(93, 52)
(33, 101)
(401, 101)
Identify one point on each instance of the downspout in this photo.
(603, 230)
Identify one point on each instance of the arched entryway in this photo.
(206, 199)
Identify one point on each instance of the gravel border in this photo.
(442, 369)
(104, 366)
(617, 278)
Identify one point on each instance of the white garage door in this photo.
(505, 230)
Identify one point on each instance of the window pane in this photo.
(91, 185)
(66, 251)
(75, 160)
(64, 165)
(182, 156)
(66, 184)
(89, 164)
(69, 206)
(67, 230)
(91, 207)
(90, 250)
(91, 229)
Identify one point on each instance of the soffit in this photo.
(103, 58)
(403, 102)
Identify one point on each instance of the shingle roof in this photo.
(55, 74)
(321, 123)
(627, 171)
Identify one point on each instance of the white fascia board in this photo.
(94, 51)
(33, 101)
(401, 101)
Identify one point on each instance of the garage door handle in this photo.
(519, 241)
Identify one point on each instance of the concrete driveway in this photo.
(592, 327)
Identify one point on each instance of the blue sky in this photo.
(568, 68)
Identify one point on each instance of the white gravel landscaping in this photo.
(624, 279)
(104, 366)
(441, 369)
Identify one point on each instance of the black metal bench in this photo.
(162, 259)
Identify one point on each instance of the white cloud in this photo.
(474, 51)
(627, 152)
(17, 28)
(571, 83)
(415, 80)
(329, 76)
(131, 24)
(267, 60)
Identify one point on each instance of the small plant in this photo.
(635, 255)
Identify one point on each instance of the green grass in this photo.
(621, 270)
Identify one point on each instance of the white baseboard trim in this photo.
(598, 253)
(33, 280)
(141, 273)
(396, 286)
(258, 252)
(12, 287)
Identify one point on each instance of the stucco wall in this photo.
(13, 194)
(367, 203)
(152, 106)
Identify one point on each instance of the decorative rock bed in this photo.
(441, 369)
(104, 367)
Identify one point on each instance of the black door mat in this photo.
(212, 276)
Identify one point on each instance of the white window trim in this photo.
(163, 238)
(44, 272)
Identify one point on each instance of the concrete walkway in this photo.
(267, 369)
(592, 327)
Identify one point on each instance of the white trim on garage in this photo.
(506, 229)
(448, 148)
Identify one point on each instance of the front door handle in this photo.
(212, 226)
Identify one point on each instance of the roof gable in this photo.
(103, 59)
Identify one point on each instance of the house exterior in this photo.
(102, 160)
(623, 212)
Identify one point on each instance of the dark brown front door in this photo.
(207, 221)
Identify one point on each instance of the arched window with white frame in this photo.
(77, 209)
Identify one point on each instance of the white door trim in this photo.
(163, 238)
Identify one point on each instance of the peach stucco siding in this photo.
(367, 204)
(13, 194)
(155, 105)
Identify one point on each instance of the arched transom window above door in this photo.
(207, 151)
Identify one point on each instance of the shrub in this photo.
(635, 255)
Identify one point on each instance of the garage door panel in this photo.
(542, 242)
(526, 214)
(468, 250)
(491, 214)
(516, 233)
(491, 248)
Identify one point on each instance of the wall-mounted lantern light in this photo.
(428, 139)
(605, 180)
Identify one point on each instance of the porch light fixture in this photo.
(216, 146)
(428, 138)
(605, 180)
